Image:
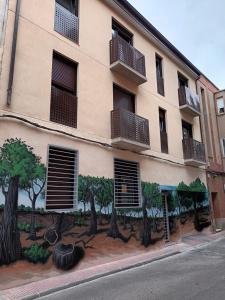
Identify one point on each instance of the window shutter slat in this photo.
(126, 184)
(63, 73)
(61, 193)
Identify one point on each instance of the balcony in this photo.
(194, 152)
(129, 131)
(66, 23)
(63, 108)
(189, 101)
(126, 60)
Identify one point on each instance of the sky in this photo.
(195, 27)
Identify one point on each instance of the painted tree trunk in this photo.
(10, 247)
(93, 220)
(114, 230)
(146, 237)
(33, 236)
(53, 235)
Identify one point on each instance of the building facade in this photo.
(98, 92)
(214, 143)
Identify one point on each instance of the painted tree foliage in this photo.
(191, 196)
(88, 186)
(15, 161)
(104, 194)
(34, 185)
(152, 196)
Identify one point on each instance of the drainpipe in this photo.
(13, 53)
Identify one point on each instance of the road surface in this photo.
(198, 274)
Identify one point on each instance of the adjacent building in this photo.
(212, 125)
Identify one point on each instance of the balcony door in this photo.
(123, 33)
(123, 99)
(182, 80)
(70, 5)
(187, 130)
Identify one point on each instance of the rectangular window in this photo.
(62, 179)
(127, 186)
(122, 32)
(182, 80)
(63, 108)
(220, 105)
(70, 5)
(187, 130)
(163, 132)
(66, 19)
(223, 146)
(123, 99)
(159, 75)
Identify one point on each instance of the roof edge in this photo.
(125, 5)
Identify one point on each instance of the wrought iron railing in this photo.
(188, 97)
(63, 107)
(129, 126)
(126, 53)
(194, 150)
(66, 23)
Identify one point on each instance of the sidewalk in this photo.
(47, 286)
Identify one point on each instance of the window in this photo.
(70, 5)
(127, 186)
(61, 193)
(123, 99)
(66, 19)
(187, 130)
(182, 80)
(159, 75)
(223, 146)
(220, 105)
(122, 32)
(163, 133)
(63, 108)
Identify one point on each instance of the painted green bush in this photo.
(26, 227)
(36, 254)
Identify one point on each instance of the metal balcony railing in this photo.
(63, 107)
(120, 50)
(127, 125)
(194, 150)
(66, 23)
(189, 98)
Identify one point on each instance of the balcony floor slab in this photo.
(126, 144)
(128, 72)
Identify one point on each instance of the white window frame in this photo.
(76, 168)
(139, 186)
(217, 101)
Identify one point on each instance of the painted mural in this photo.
(28, 232)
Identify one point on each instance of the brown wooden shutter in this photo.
(64, 73)
(62, 176)
(127, 188)
(63, 108)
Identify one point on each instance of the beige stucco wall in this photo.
(32, 86)
(96, 160)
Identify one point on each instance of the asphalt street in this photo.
(197, 274)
